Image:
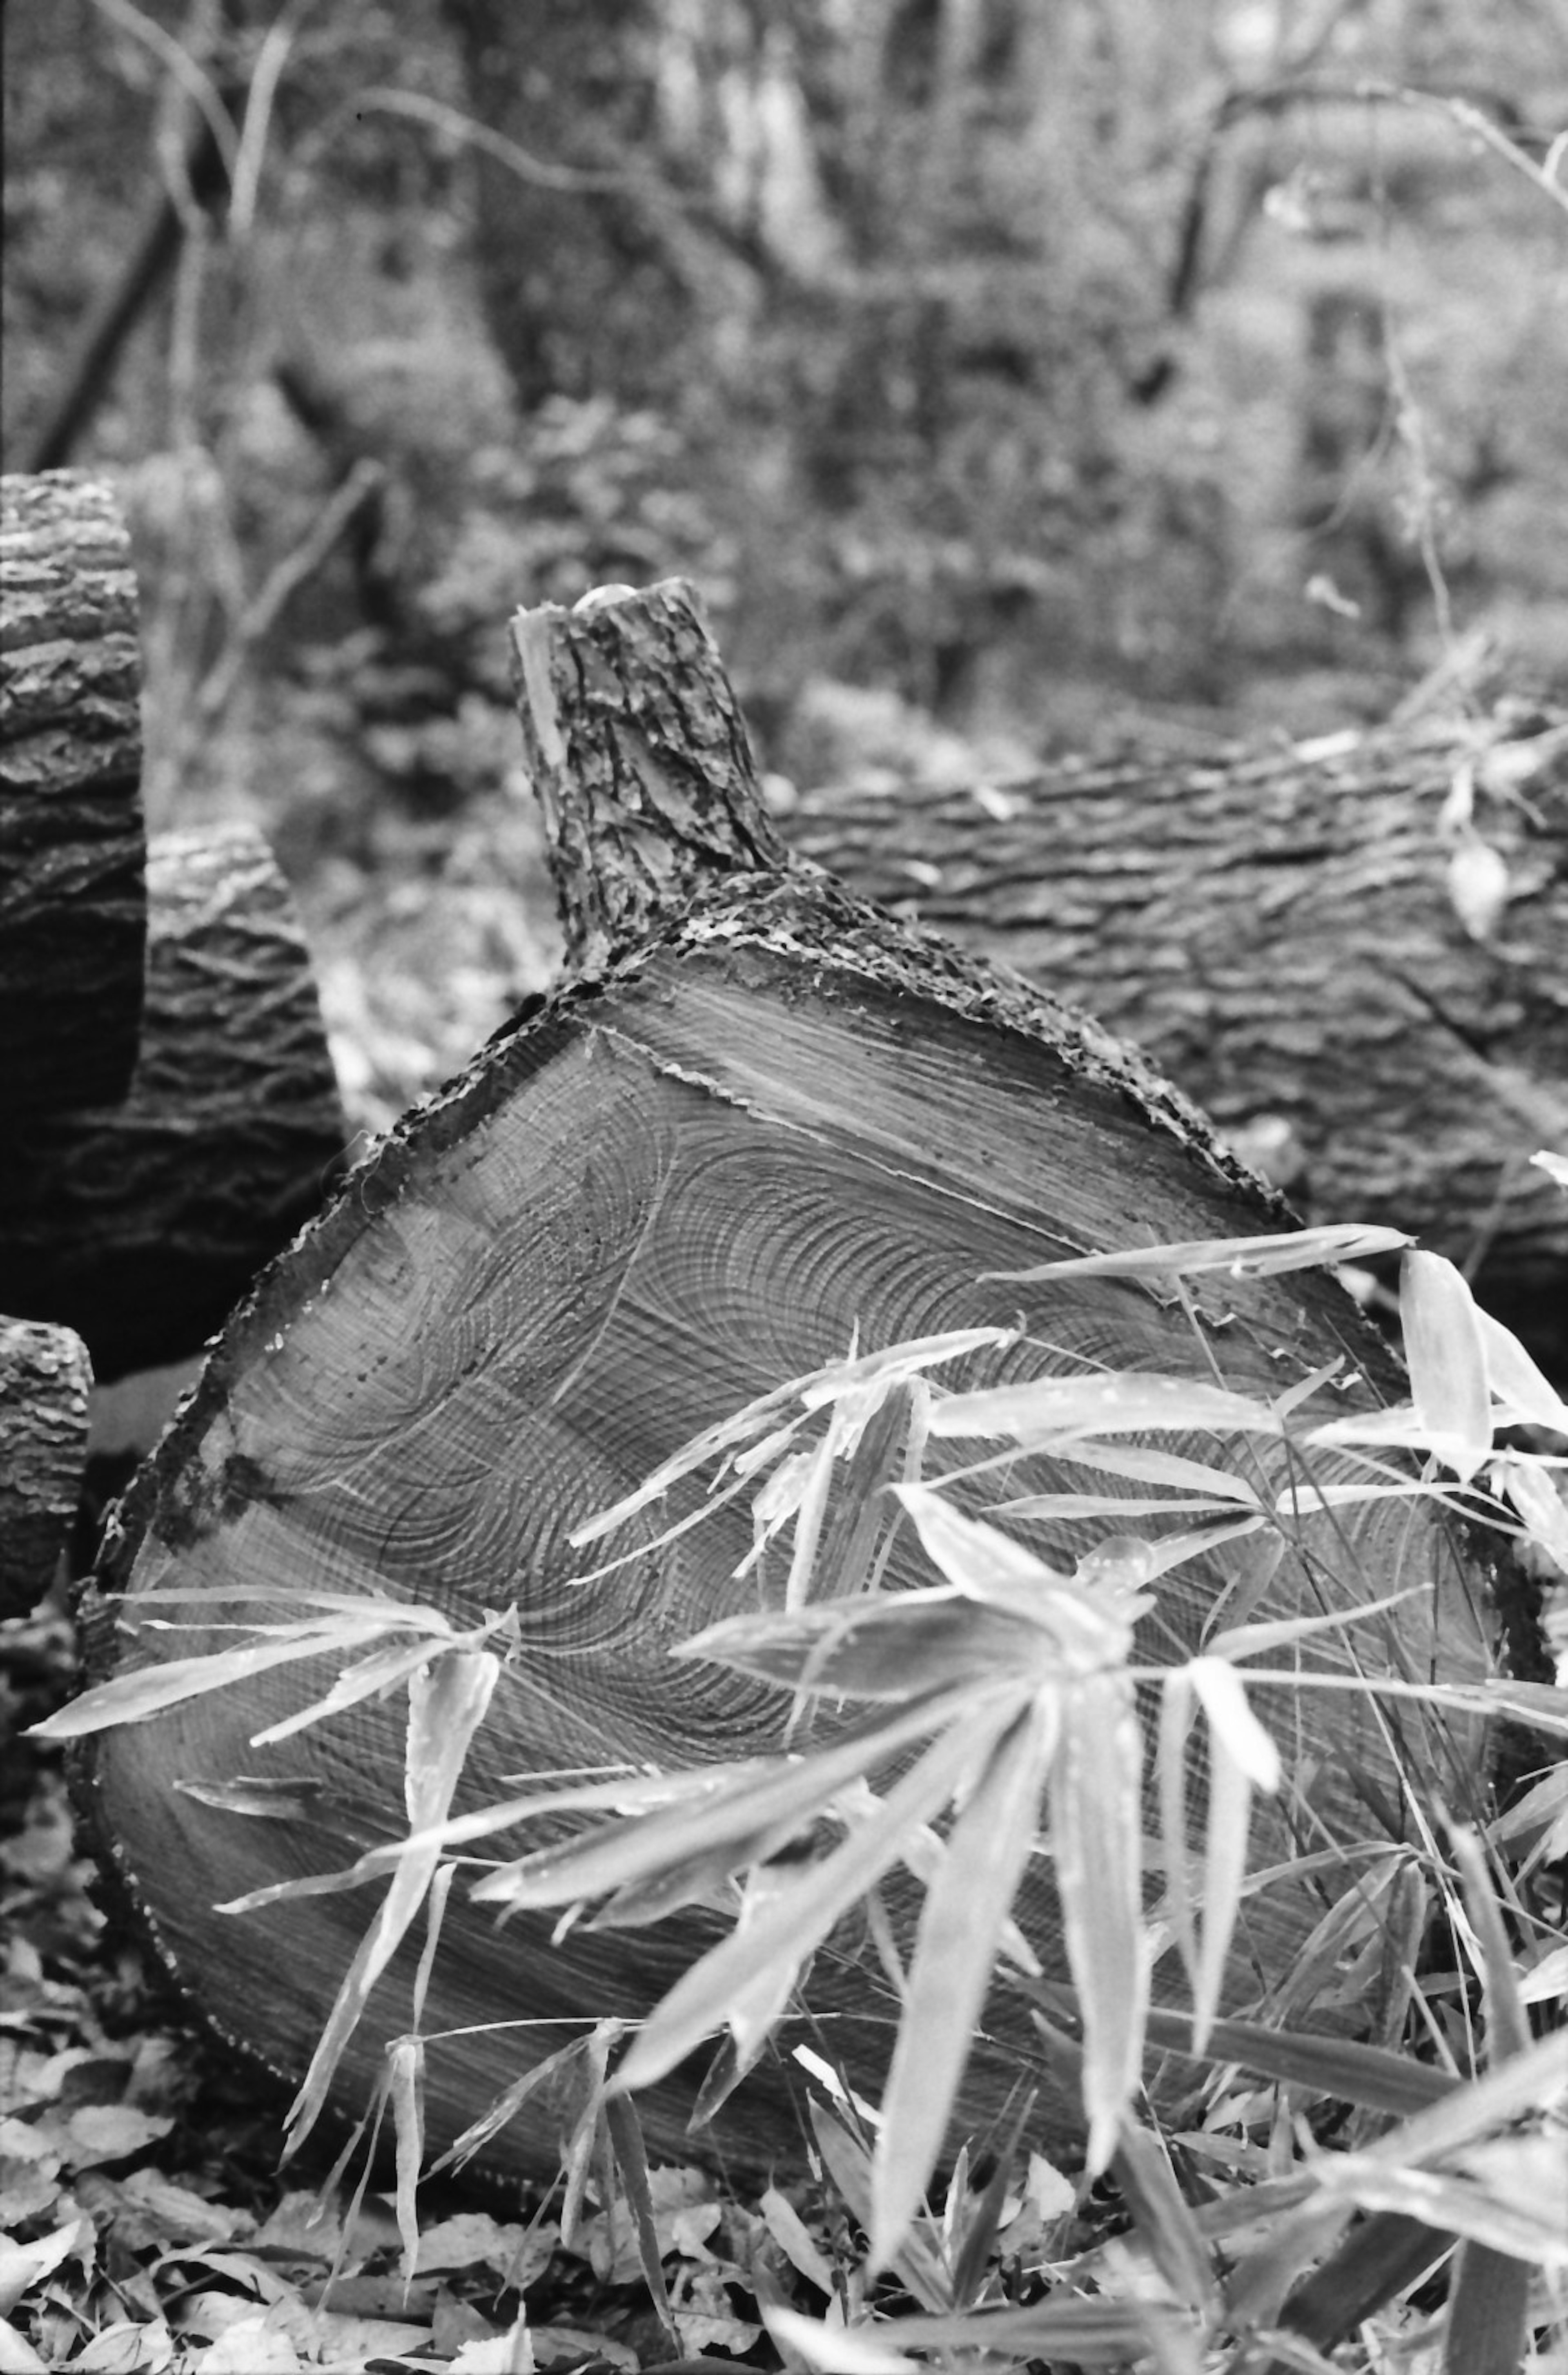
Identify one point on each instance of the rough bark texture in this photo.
(701, 1170)
(1277, 928)
(73, 907)
(44, 1380)
(140, 1224)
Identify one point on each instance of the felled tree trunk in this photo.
(1302, 938)
(761, 1122)
(44, 1379)
(73, 849)
(141, 1222)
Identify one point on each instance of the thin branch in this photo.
(364, 481)
(184, 68)
(271, 59)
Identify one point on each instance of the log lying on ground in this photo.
(140, 1224)
(44, 1380)
(73, 849)
(1280, 930)
(765, 1122)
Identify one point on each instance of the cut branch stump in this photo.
(762, 1121)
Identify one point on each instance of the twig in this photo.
(364, 481)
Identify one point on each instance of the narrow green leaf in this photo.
(1055, 1410)
(789, 1932)
(836, 2350)
(146, 1691)
(955, 1954)
(1085, 1628)
(384, 1668)
(1487, 2330)
(1143, 1462)
(1232, 1722)
(1101, 1504)
(1508, 2023)
(446, 1703)
(1516, 1380)
(1170, 1772)
(1097, 1831)
(261, 1797)
(1540, 1505)
(406, 2091)
(1446, 1359)
(1224, 1870)
(1342, 1241)
(1161, 2218)
(1455, 2204)
(824, 1385)
(756, 1808)
(632, 2160)
(895, 1646)
(1094, 2333)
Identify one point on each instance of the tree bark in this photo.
(1279, 929)
(44, 1380)
(72, 850)
(769, 1123)
(140, 1224)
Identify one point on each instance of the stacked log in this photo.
(172, 1110)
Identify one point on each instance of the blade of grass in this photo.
(1096, 1828)
(955, 1957)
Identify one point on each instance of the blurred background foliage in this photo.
(1009, 374)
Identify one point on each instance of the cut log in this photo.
(141, 1223)
(44, 1380)
(777, 1124)
(73, 849)
(1285, 932)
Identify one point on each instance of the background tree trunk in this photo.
(773, 1126)
(1279, 929)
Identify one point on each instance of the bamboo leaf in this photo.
(1516, 1380)
(1224, 1870)
(147, 1691)
(1446, 1359)
(446, 1702)
(790, 1931)
(893, 1648)
(1144, 1461)
(1539, 1502)
(1096, 1828)
(755, 1809)
(1171, 1756)
(1085, 1627)
(381, 1672)
(406, 2090)
(1488, 2301)
(955, 1956)
(1055, 1410)
(1528, 2228)
(1232, 1722)
(896, 1363)
(1263, 1256)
